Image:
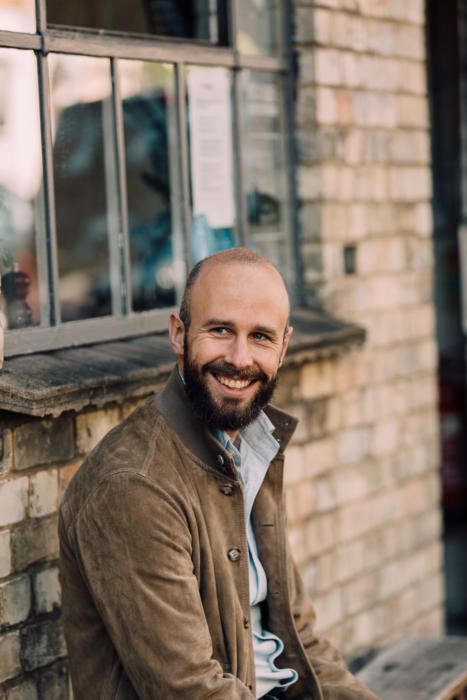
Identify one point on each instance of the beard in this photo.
(226, 413)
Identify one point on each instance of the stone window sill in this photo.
(73, 378)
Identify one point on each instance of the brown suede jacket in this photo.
(154, 568)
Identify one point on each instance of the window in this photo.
(136, 139)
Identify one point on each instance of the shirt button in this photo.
(246, 623)
(234, 553)
(226, 489)
(220, 460)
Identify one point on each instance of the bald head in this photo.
(231, 256)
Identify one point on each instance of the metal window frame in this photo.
(179, 53)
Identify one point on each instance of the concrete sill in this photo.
(49, 383)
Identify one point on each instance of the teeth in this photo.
(234, 383)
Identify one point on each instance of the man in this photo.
(177, 579)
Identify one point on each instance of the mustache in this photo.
(227, 370)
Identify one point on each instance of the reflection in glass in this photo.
(258, 27)
(157, 268)
(82, 132)
(190, 20)
(210, 143)
(18, 15)
(264, 166)
(20, 184)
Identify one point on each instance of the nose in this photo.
(239, 354)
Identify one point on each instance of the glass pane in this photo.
(191, 20)
(18, 15)
(258, 27)
(83, 152)
(210, 143)
(156, 238)
(264, 164)
(20, 185)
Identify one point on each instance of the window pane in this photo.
(156, 239)
(264, 164)
(83, 146)
(258, 27)
(210, 139)
(18, 15)
(191, 20)
(20, 185)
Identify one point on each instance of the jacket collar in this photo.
(175, 406)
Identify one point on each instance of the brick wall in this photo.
(364, 493)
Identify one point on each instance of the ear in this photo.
(285, 344)
(176, 333)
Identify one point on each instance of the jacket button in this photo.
(220, 460)
(246, 623)
(234, 553)
(226, 489)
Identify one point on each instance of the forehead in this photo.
(240, 291)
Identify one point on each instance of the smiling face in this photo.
(235, 343)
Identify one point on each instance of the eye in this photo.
(259, 336)
(219, 330)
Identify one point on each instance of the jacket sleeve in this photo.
(142, 582)
(335, 681)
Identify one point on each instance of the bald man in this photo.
(176, 574)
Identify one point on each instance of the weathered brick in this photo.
(380, 36)
(66, 474)
(326, 105)
(33, 542)
(92, 426)
(294, 464)
(42, 644)
(13, 500)
(6, 452)
(24, 691)
(318, 457)
(42, 441)
(15, 600)
(300, 499)
(385, 438)
(353, 445)
(47, 590)
(43, 497)
(320, 533)
(360, 594)
(53, 684)
(325, 489)
(354, 520)
(306, 68)
(359, 630)
(317, 379)
(306, 105)
(429, 624)
(5, 553)
(328, 608)
(354, 482)
(10, 659)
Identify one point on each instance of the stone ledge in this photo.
(74, 378)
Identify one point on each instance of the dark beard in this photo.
(228, 416)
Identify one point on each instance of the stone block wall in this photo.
(370, 543)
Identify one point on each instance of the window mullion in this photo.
(183, 160)
(238, 143)
(295, 271)
(120, 262)
(48, 260)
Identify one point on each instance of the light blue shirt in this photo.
(256, 448)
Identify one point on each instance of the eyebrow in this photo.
(224, 322)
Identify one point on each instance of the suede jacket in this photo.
(154, 568)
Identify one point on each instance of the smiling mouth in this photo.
(232, 383)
